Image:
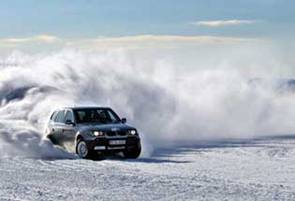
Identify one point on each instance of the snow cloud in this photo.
(171, 95)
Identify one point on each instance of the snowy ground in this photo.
(256, 170)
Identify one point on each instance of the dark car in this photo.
(93, 132)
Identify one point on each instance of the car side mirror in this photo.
(69, 122)
(123, 120)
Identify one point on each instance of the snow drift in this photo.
(168, 103)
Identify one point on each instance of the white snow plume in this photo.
(166, 102)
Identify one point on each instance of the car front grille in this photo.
(116, 133)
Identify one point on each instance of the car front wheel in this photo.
(132, 153)
(82, 149)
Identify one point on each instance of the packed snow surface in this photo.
(250, 170)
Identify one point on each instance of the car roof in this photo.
(83, 107)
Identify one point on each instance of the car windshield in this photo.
(96, 115)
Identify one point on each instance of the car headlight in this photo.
(132, 132)
(98, 133)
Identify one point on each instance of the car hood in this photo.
(104, 127)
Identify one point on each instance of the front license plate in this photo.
(117, 142)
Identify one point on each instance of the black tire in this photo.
(82, 150)
(52, 139)
(132, 153)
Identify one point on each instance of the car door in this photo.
(68, 129)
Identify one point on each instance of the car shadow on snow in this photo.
(151, 159)
(157, 160)
(174, 153)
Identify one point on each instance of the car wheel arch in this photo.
(79, 137)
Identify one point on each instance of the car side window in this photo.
(69, 116)
(59, 117)
(81, 116)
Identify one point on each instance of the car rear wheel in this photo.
(132, 153)
(82, 149)
(52, 139)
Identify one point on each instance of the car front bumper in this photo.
(104, 144)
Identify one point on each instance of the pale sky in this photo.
(58, 22)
